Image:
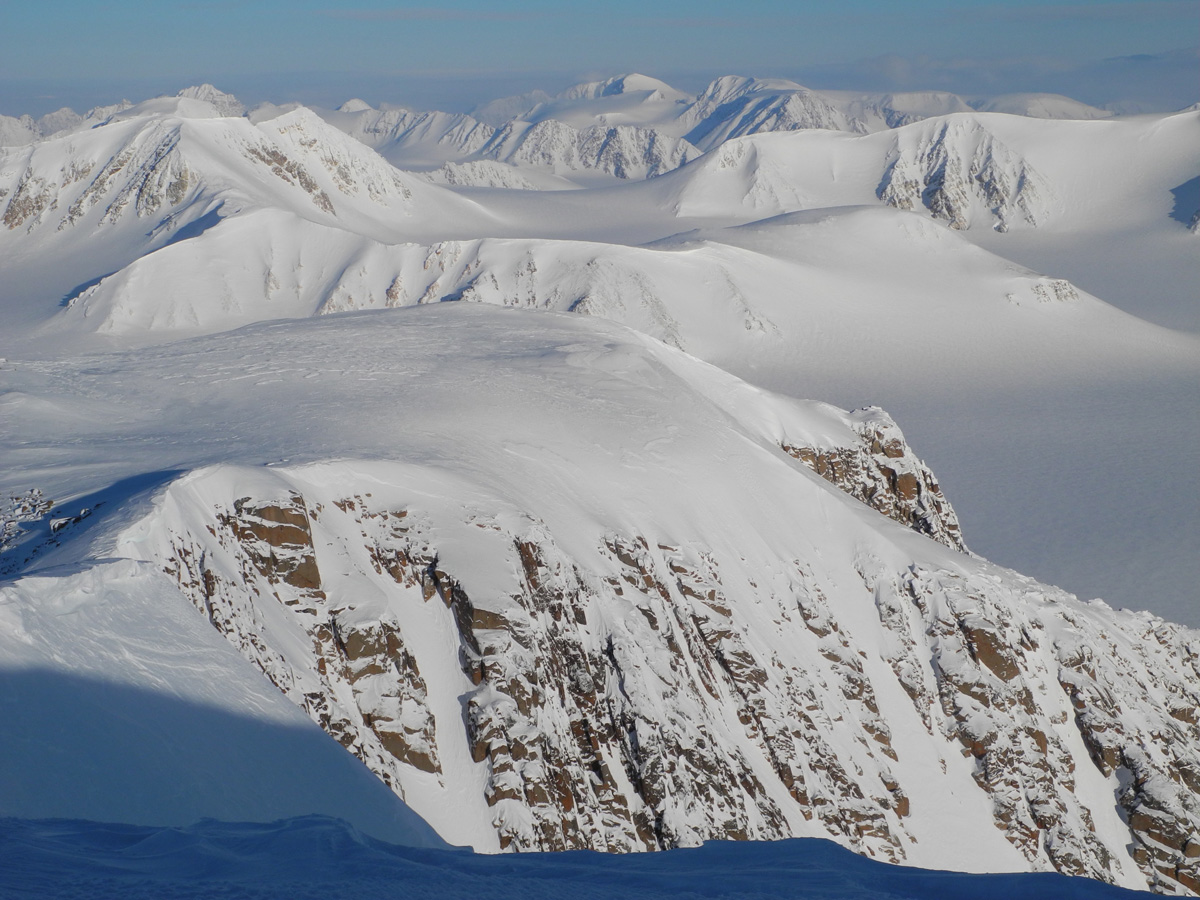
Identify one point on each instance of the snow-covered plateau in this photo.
(458, 478)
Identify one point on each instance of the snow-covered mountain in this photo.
(162, 159)
(437, 457)
(961, 173)
(633, 126)
(562, 586)
(413, 139)
(15, 132)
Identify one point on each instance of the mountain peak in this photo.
(622, 84)
(354, 105)
(226, 104)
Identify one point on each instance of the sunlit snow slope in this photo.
(563, 586)
(173, 219)
(269, 413)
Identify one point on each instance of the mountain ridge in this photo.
(663, 637)
(496, 469)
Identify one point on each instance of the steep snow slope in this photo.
(1001, 171)
(1126, 236)
(733, 107)
(412, 138)
(316, 856)
(1104, 203)
(121, 703)
(563, 586)
(85, 205)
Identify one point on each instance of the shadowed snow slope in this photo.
(120, 702)
(322, 857)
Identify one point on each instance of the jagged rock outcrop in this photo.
(30, 506)
(19, 131)
(963, 174)
(638, 701)
(257, 568)
(590, 734)
(31, 526)
(884, 473)
(623, 151)
(225, 104)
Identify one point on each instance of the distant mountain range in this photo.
(485, 441)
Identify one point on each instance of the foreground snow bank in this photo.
(320, 857)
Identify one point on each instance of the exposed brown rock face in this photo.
(1156, 758)
(386, 723)
(147, 177)
(565, 711)
(32, 197)
(884, 473)
(635, 704)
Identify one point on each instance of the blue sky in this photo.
(455, 54)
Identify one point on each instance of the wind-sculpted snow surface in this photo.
(561, 586)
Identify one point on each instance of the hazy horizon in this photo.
(1123, 54)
